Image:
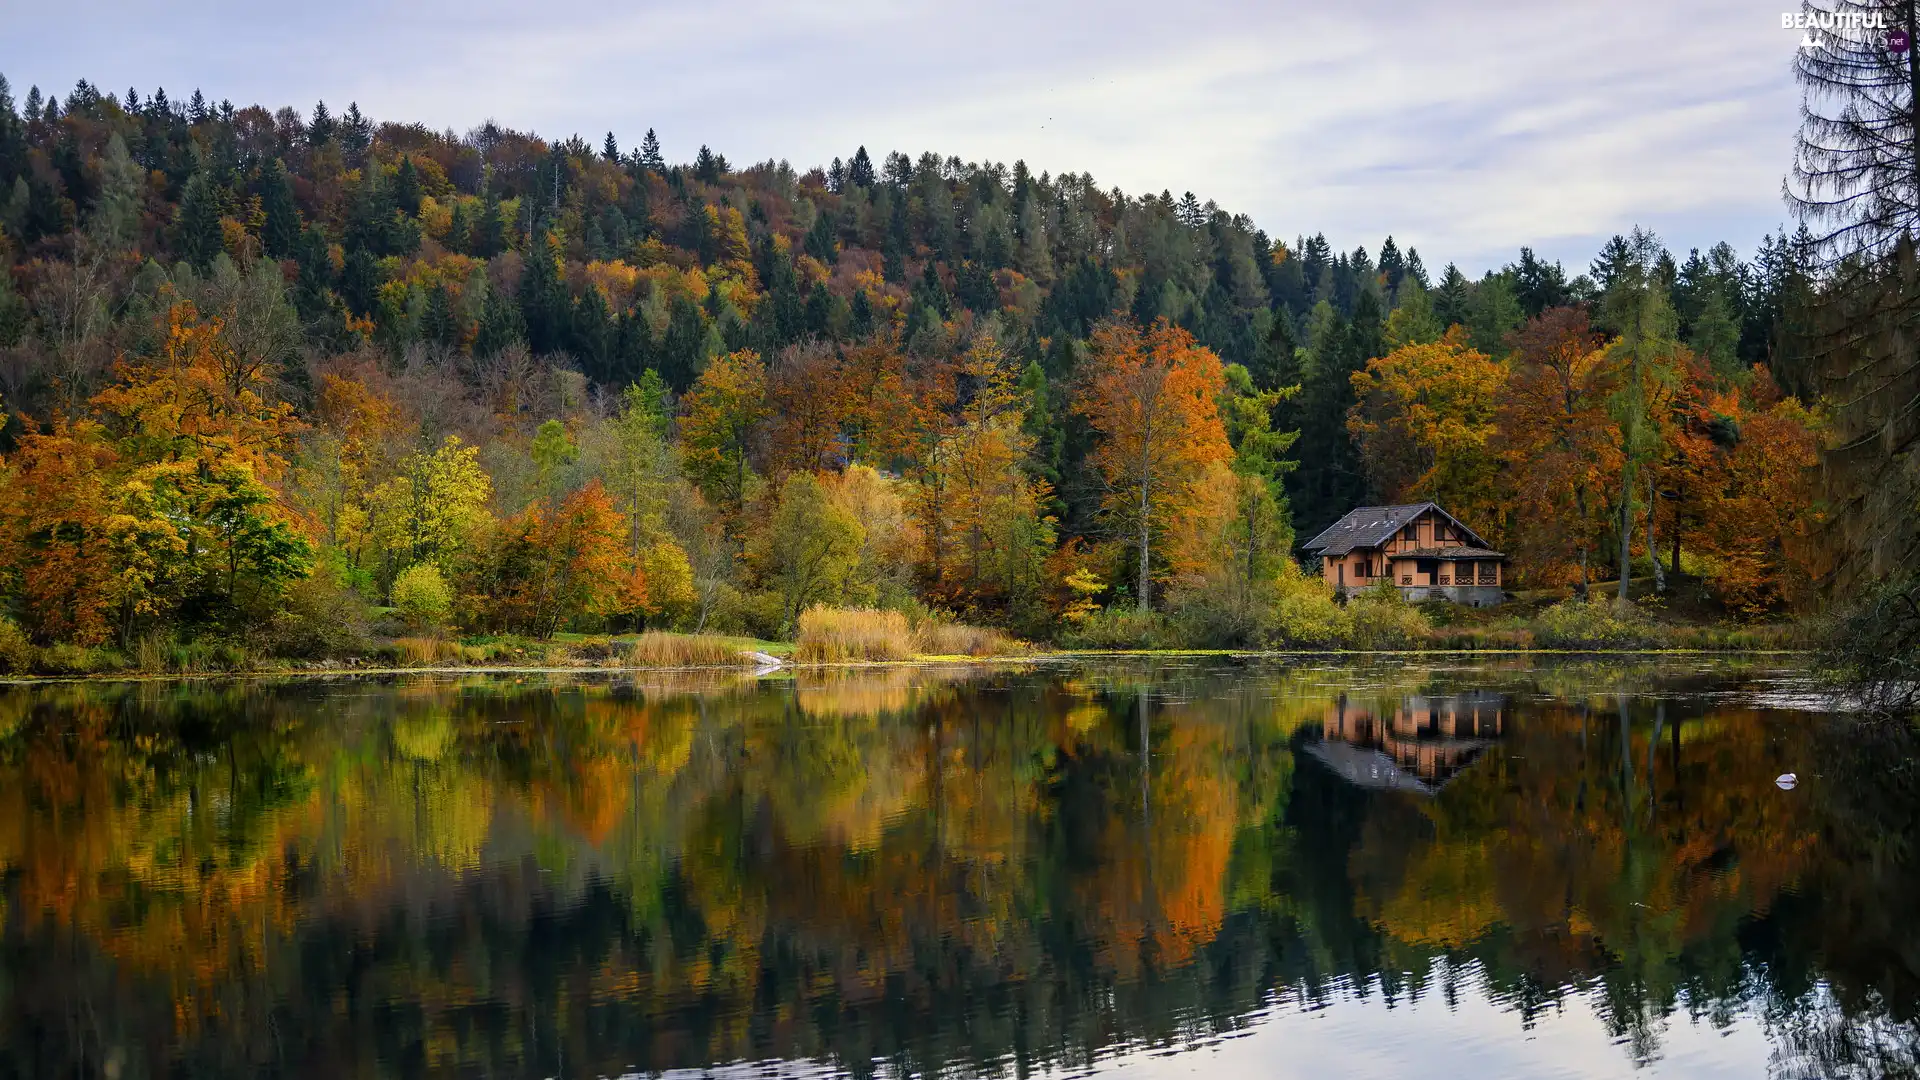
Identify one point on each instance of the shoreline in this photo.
(788, 666)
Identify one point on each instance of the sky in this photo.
(1463, 129)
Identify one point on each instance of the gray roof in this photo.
(1372, 526)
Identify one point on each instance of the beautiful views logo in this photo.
(1817, 26)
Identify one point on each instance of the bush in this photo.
(935, 638)
(1378, 618)
(423, 652)
(658, 649)
(17, 654)
(323, 616)
(1590, 624)
(422, 597)
(1304, 612)
(1120, 628)
(838, 635)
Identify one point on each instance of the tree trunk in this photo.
(1626, 528)
(1653, 549)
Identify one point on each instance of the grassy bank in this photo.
(1532, 623)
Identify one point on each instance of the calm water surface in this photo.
(1261, 870)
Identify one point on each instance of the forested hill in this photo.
(389, 235)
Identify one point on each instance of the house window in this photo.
(1443, 578)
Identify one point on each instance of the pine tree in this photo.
(650, 158)
(360, 282)
(610, 150)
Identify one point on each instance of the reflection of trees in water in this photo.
(940, 872)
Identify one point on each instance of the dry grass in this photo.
(425, 651)
(959, 639)
(658, 649)
(839, 635)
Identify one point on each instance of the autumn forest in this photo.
(280, 383)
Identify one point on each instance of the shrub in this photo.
(837, 635)
(1378, 618)
(1304, 611)
(934, 638)
(1590, 624)
(17, 654)
(64, 659)
(422, 597)
(658, 649)
(1120, 628)
(323, 616)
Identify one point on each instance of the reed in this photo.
(659, 649)
(839, 635)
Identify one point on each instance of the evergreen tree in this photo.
(545, 309)
(932, 292)
(406, 188)
(1450, 299)
(280, 232)
(1392, 267)
(360, 282)
(610, 150)
(490, 229)
(196, 223)
(356, 134)
(500, 324)
(437, 323)
(706, 167)
(459, 238)
(860, 317)
(650, 158)
(1538, 285)
(13, 140)
(683, 349)
(820, 239)
(320, 129)
(860, 169)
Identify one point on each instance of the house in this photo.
(1427, 553)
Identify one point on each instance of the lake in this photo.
(1271, 868)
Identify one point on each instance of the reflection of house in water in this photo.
(1418, 746)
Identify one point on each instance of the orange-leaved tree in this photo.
(1560, 446)
(1424, 418)
(1150, 397)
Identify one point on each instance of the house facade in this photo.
(1425, 552)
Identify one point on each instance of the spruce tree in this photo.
(280, 232)
(860, 169)
(650, 158)
(196, 223)
(490, 229)
(406, 188)
(1450, 299)
(610, 150)
(319, 129)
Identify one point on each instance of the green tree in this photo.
(807, 548)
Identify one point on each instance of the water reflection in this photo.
(941, 870)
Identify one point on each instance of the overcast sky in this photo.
(1464, 129)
